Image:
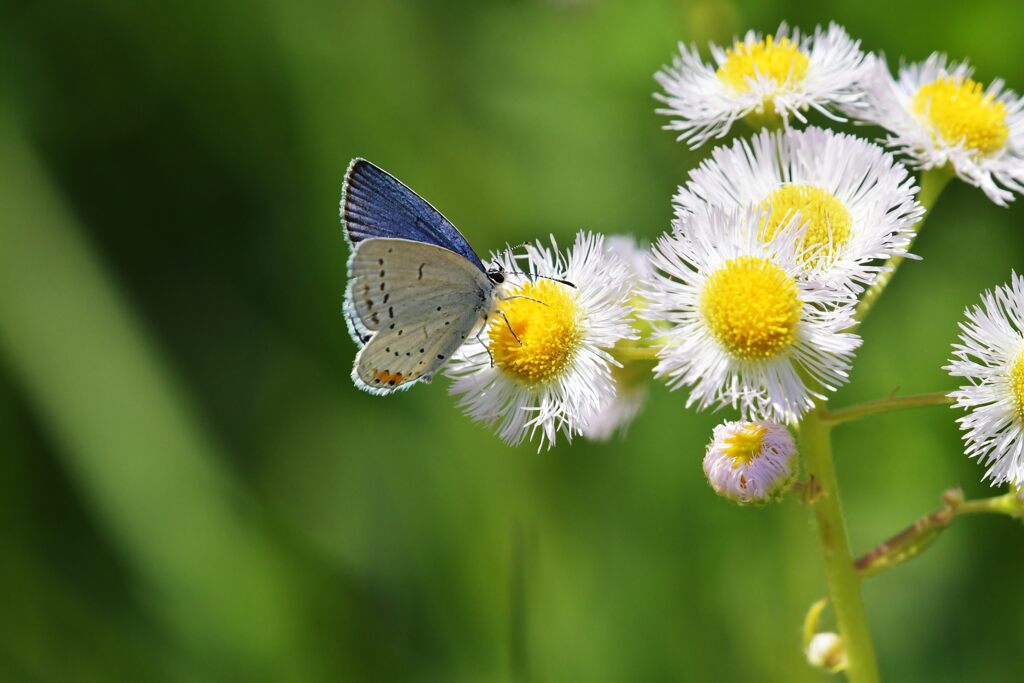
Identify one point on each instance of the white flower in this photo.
(764, 79)
(990, 356)
(938, 116)
(856, 202)
(552, 367)
(616, 415)
(631, 377)
(747, 328)
(629, 251)
(751, 462)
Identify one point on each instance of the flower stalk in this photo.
(885, 405)
(840, 575)
(933, 182)
(914, 539)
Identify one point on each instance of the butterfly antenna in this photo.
(523, 296)
(546, 277)
(557, 279)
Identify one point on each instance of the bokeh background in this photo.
(192, 490)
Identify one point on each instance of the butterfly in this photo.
(416, 289)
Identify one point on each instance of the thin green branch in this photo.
(843, 581)
(933, 182)
(914, 539)
(884, 405)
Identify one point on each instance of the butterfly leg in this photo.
(486, 348)
(514, 335)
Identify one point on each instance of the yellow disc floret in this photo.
(546, 320)
(752, 308)
(745, 444)
(960, 111)
(827, 219)
(781, 61)
(1017, 386)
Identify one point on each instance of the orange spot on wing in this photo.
(385, 377)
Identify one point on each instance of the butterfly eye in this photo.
(496, 277)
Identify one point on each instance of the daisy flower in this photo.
(766, 80)
(855, 201)
(631, 377)
(746, 328)
(938, 116)
(545, 365)
(751, 462)
(990, 356)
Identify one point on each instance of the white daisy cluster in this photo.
(776, 237)
(749, 301)
(936, 114)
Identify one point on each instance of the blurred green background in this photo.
(190, 487)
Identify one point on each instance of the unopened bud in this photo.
(826, 651)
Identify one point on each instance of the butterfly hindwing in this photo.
(390, 362)
(376, 204)
(413, 305)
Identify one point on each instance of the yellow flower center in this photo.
(752, 308)
(959, 111)
(549, 333)
(780, 61)
(827, 219)
(745, 445)
(1017, 386)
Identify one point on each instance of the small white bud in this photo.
(826, 651)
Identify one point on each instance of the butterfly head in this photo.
(496, 273)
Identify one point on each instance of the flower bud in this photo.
(826, 651)
(751, 462)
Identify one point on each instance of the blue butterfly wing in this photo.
(376, 204)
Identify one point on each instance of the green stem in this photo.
(933, 182)
(914, 539)
(884, 405)
(843, 581)
(1006, 504)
